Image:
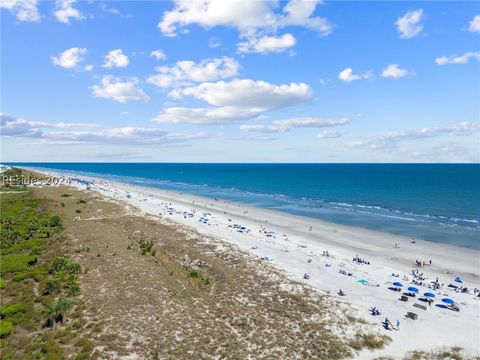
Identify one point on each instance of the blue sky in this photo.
(217, 81)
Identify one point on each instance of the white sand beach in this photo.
(299, 245)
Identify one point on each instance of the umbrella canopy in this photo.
(429, 295)
(448, 301)
(413, 289)
(458, 280)
(396, 283)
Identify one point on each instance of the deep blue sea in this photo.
(435, 202)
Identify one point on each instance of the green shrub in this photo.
(193, 274)
(6, 327)
(146, 246)
(23, 245)
(56, 311)
(2, 284)
(33, 225)
(13, 263)
(73, 289)
(9, 237)
(66, 195)
(85, 344)
(55, 221)
(64, 304)
(36, 250)
(36, 273)
(59, 264)
(73, 268)
(9, 310)
(52, 287)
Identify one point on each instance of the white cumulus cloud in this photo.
(394, 71)
(122, 91)
(248, 93)
(458, 59)
(234, 101)
(116, 59)
(158, 54)
(347, 75)
(409, 25)
(24, 10)
(71, 58)
(185, 72)
(474, 25)
(246, 16)
(64, 11)
(266, 44)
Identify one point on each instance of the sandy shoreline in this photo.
(298, 251)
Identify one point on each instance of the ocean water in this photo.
(435, 202)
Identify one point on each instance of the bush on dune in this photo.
(14, 263)
(6, 327)
(10, 310)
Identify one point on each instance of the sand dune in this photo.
(297, 245)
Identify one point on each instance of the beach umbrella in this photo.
(458, 280)
(429, 295)
(396, 283)
(448, 301)
(413, 289)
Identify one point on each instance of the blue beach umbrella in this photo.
(458, 280)
(413, 289)
(396, 283)
(448, 301)
(430, 295)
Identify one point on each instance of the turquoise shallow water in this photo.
(435, 202)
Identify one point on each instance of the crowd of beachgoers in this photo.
(424, 302)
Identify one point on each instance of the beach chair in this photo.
(411, 315)
(420, 306)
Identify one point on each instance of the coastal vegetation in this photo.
(39, 284)
(452, 353)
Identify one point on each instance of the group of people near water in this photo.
(419, 263)
(389, 326)
(358, 260)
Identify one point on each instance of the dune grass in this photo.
(451, 353)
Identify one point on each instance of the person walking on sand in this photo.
(398, 324)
